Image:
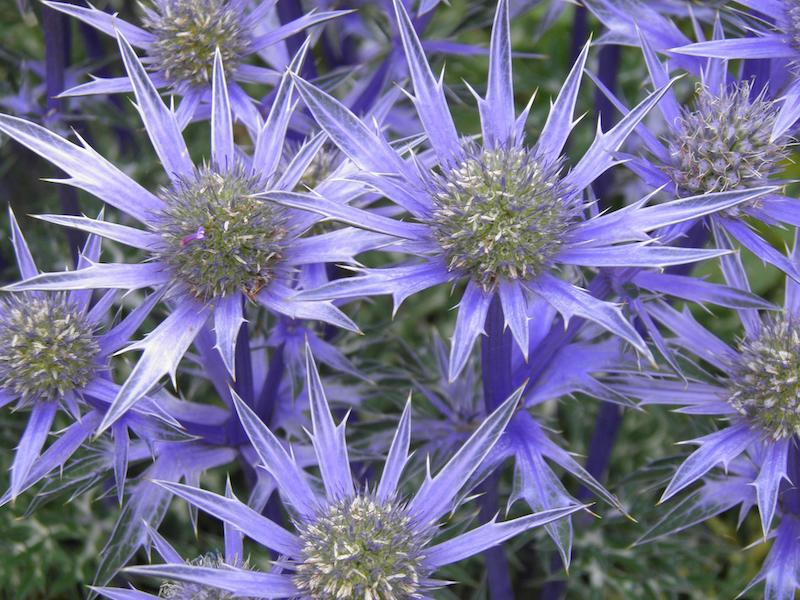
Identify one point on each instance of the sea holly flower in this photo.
(729, 140)
(180, 38)
(56, 355)
(211, 243)
(501, 215)
(756, 391)
(351, 542)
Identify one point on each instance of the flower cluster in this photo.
(314, 162)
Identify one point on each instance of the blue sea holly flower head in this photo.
(56, 355)
(730, 139)
(756, 390)
(352, 543)
(180, 38)
(210, 243)
(500, 214)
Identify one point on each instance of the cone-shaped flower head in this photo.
(361, 547)
(725, 142)
(187, 32)
(218, 238)
(501, 214)
(351, 543)
(765, 379)
(49, 346)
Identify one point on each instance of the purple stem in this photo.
(57, 46)
(244, 367)
(289, 10)
(265, 405)
(580, 32)
(496, 375)
(607, 113)
(791, 497)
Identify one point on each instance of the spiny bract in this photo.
(179, 590)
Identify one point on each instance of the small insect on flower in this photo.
(200, 234)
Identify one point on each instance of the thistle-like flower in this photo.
(501, 215)
(352, 543)
(180, 38)
(211, 242)
(733, 138)
(757, 389)
(725, 142)
(56, 354)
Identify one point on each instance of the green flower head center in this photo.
(501, 214)
(361, 549)
(188, 32)
(218, 238)
(765, 386)
(725, 143)
(49, 348)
